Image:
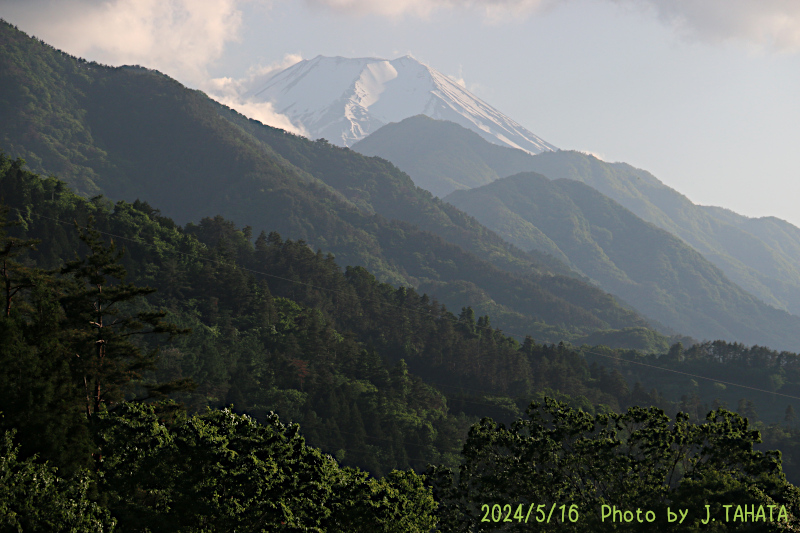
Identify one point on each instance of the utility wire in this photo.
(409, 309)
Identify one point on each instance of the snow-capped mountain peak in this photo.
(344, 100)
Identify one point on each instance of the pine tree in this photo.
(39, 400)
(100, 333)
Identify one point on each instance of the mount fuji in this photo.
(344, 100)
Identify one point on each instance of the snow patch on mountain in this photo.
(344, 100)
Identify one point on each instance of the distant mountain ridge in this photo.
(442, 156)
(343, 100)
(646, 266)
(761, 255)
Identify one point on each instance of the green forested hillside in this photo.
(277, 327)
(133, 133)
(653, 270)
(377, 186)
(274, 327)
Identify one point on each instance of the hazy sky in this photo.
(705, 94)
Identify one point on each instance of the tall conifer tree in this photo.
(105, 358)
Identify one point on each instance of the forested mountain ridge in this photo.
(758, 254)
(761, 255)
(278, 327)
(133, 133)
(279, 302)
(655, 271)
(377, 186)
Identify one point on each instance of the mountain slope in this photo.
(344, 100)
(442, 156)
(761, 255)
(655, 271)
(134, 133)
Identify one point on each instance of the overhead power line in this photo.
(412, 310)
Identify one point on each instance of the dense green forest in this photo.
(344, 350)
(277, 327)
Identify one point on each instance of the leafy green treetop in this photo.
(34, 499)
(220, 471)
(639, 459)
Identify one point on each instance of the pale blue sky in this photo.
(702, 94)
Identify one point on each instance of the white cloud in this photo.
(262, 112)
(771, 23)
(596, 155)
(258, 75)
(235, 93)
(459, 81)
(494, 9)
(178, 37)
